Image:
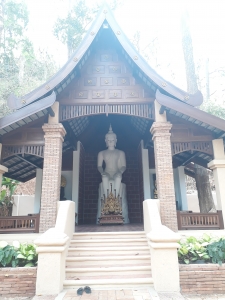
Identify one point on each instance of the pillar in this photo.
(54, 134)
(180, 188)
(3, 169)
(160, 131)
(164, 173)
(218, 167)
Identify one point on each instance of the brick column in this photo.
(164, 173)
(54, 134)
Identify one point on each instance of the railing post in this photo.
(179, 221)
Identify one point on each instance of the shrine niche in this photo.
(112, 198)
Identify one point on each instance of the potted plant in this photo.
(6, 196)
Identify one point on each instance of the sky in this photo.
(153, 18)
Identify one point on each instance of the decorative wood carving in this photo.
(100, 94)
(105, 81)
(131, 94)
(115, 94)
(90, 81)
(81, 94)
(32, 150)
(106, 57)
(98, 69)
(105, 77)
(124, 81)
(115, 69)
(205, 147)
(139, 110)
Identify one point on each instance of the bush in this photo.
(207, 249)
(17, 255)
(216, 251)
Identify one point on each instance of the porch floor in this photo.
(109, 228)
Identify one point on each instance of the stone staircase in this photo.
(104, 260)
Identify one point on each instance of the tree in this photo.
(70, 30)
(205, 198)
(21, 69)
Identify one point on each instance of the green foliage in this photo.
(8, 256)
(214, 109)
(17, 255)
(70, 30)
(27, 255)
(216, 251)
(21, 69)
(14, 22)
(193, 249)
(10, 185)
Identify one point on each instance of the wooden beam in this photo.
(189, 173)
(187, 161)
(70, 135)
(27, 161)
(162, 109)
(21, 174)
(51, 111)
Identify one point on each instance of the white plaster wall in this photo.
(192, 200)
(152, 187)
(23, 205)
(38, 188)
(68, 188)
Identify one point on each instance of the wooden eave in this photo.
(192, 114)
(26, 115)
(65, 73)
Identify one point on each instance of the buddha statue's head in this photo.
(110, 139)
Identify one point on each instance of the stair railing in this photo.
(163, 247)
(52, 248)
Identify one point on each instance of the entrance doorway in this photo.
(90, 132)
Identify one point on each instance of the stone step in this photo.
(97, 261)
(108, 242)
(137, 282)
(108, 251)
(109, 235)
(72, 273)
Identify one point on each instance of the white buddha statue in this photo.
(115, 165)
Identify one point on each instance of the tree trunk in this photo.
(201, 175)
(206, 203)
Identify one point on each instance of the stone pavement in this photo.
(123, 294)
(135, 294)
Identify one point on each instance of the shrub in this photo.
(17, 255)
(216, 251)
(193, 249)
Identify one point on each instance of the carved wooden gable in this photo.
(106, 85)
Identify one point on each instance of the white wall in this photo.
(68, 188)
(38, 188)
(23, 205)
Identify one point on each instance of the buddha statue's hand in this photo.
(118, 175)
(105, 174)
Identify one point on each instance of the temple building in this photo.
(59, 129)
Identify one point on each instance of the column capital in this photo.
(161, 129)
(54, 130)
(216, 163)
(3, 170)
